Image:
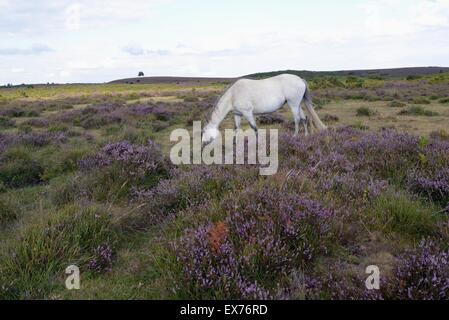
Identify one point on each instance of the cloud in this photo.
(400, 17)
(139, 51)
(35, 49)
(33, 17)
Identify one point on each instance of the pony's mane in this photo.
(208, 116)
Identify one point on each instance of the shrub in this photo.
(422, 274)
(183, 189)
(6, 123)
(19, 169)
(265, 235)
(37, 122)
(420, 101)
(346, 153)
(113, 170)
(191, 99)
(365, 112)
(396, 104)
(418, 111)
(359, 125)
(158, 125)
(444, 100)
(12, 112)
(330, 118)
(434, 185)
(430, 177)
(102, 259)
(6, 140)
(39, 139)
(320, 103)
(7, 212)
(413, 77)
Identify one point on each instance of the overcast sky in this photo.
(101, 40)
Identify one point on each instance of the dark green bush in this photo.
(418, 111)
(365, 112)
(19, 169)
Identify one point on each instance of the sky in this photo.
(66, 41)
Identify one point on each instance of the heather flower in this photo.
(102, 260)
(422, 274)
(265, 235)
(134, 160)
(6, 140)
(43, 138)
(182, 188)
(140, 110)
(435, 186)
(37, 122)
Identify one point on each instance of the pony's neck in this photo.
(220, 112)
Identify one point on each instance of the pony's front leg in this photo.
(237, 120)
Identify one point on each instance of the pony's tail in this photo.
(308, 102)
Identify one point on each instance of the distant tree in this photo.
(141, 74)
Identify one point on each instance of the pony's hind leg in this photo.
(304, 120)
(296, 111)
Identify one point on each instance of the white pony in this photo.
(251, 97)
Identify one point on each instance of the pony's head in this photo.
(209, 134)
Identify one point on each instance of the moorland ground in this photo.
(85, 179)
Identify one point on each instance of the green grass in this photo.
(48, 245)
(399, 213)
(131, 90)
